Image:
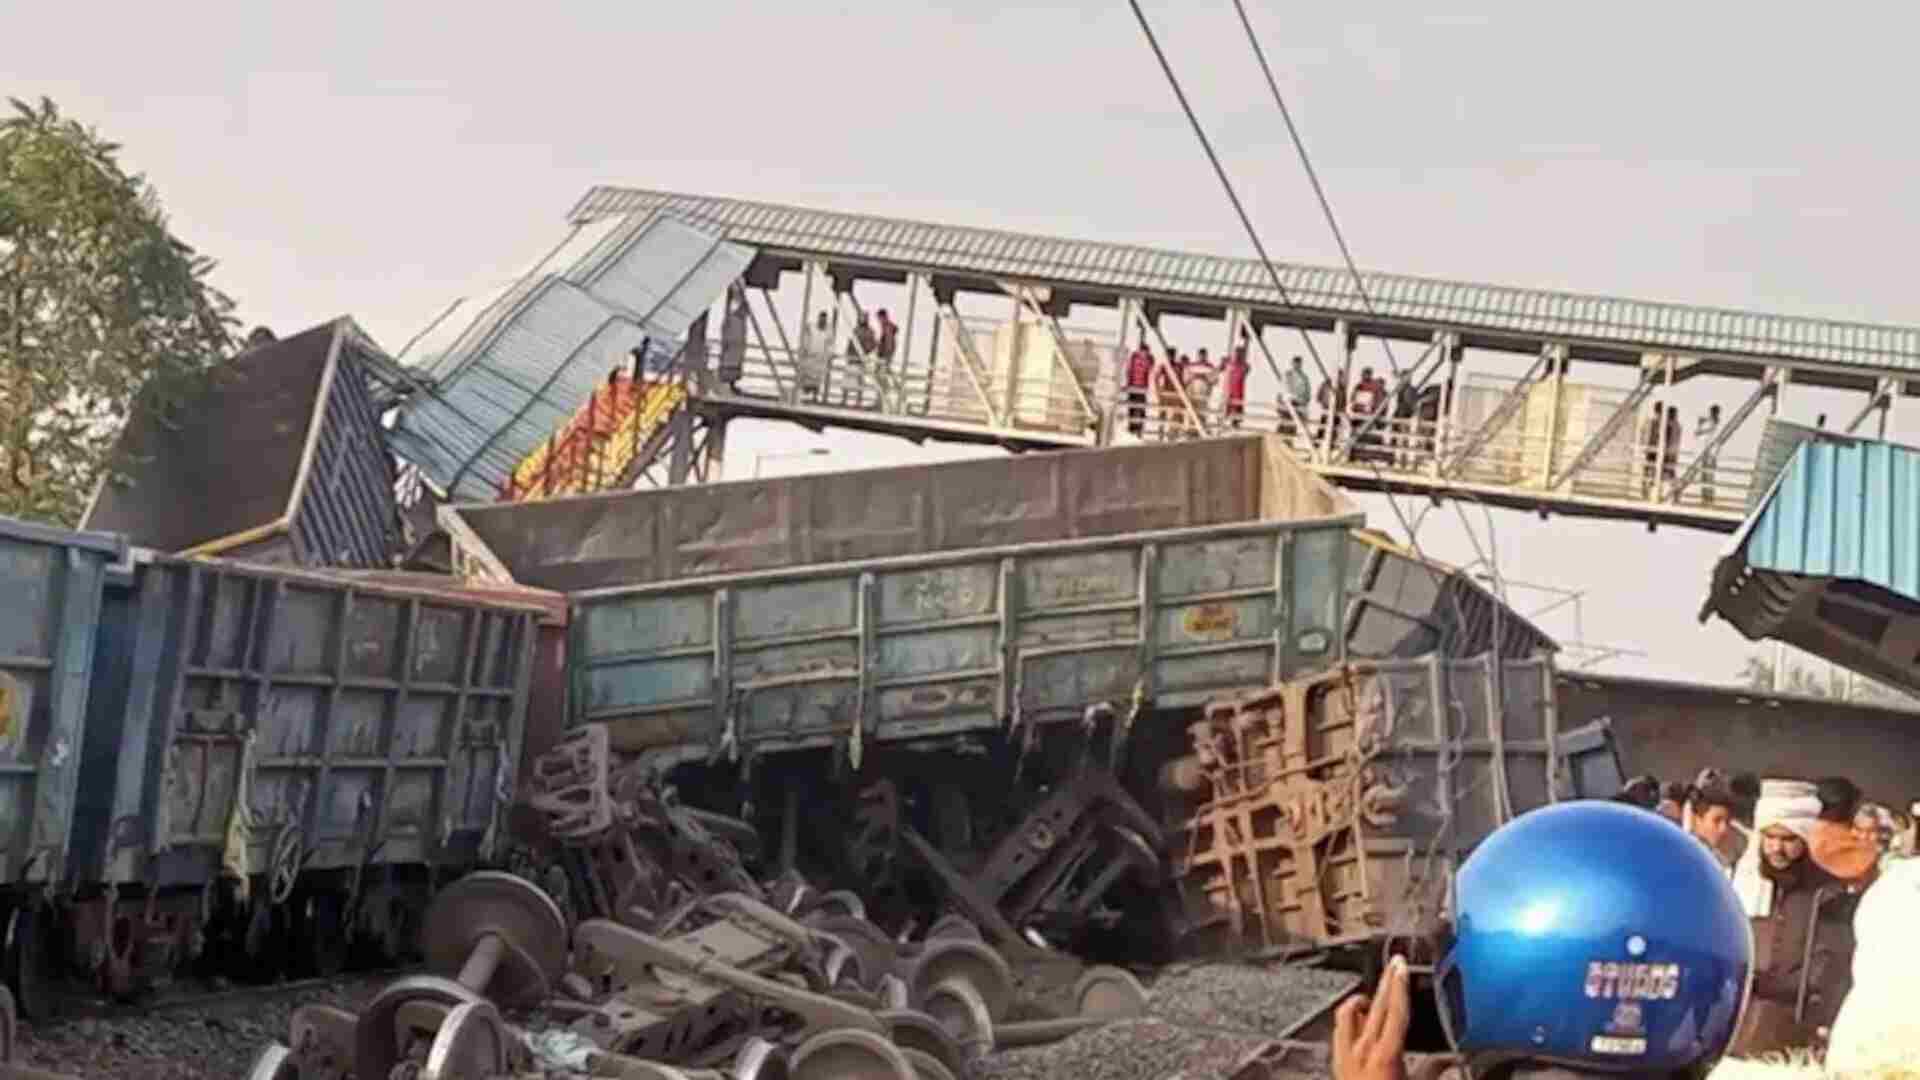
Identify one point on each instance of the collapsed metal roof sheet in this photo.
(1635, 324)
(1830, 563)
(1843, 510)
(519, 368)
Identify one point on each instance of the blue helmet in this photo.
(1595, 936)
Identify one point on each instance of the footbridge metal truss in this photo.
(1543, 443)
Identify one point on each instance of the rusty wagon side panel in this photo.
(355, 721)
(961, 641)
(1333, 810)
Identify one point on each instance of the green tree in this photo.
(102, 311)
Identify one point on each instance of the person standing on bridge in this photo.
(1298, 392)
(1139, 376)
(1199, 382)
(889, 339)
(1236, 381)
(860, 348)
(816, 355)
(1333, 406)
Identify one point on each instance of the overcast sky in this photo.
(380, 159)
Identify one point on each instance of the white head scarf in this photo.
(1793, 805)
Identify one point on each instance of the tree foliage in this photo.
(98, 303)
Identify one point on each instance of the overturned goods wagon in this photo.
(276, 456)
(1332, 810)
(275, 762)
(954, 688)
(1401, 606)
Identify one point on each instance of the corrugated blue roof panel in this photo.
(1843, 510)
(528, 361)
(1635, 324)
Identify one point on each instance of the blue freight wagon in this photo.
(333, 741)
(52, 580)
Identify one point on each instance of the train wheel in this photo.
(25, 957)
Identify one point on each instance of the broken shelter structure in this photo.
(497, 392)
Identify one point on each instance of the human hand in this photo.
(1370, 1034)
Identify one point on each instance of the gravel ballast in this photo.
(1259, 1001)
(1144, 1049)
(1202, 1021)
(218, 1041)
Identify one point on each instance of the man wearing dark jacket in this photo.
(1802, 926)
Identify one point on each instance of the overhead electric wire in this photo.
(1221, 171)
(1313, 176)
(1225, 182)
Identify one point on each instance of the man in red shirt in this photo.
(1236, 375)
(1139, 374)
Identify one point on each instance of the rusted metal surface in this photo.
(1402, 606)
(358, 722)
(52, 581)
(710, 530)
(546, 716)
(959, 642)
(754, 979)
(280, 460)
(1332, 810)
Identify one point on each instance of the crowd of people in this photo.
(1176, 392)
(1800, 855)
(871, 346)
(1173, 395)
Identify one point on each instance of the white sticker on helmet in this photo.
(1612, 980)
(1613, 1044)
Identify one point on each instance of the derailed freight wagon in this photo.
(906, 676)
(933, 600)
(1333, 810)
(276, 762)
(52, 581)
